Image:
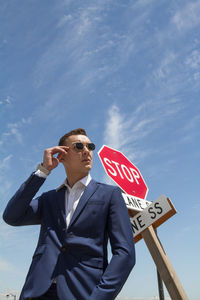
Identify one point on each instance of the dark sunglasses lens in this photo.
(91, 146)
(79, 146)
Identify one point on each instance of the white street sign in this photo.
(150, 215)
(135, 203)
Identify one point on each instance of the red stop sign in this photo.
(123, 172)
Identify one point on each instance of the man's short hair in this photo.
(72, 132)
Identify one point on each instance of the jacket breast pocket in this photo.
(94, 208)
(96, 202)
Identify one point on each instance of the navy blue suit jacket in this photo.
(77, 255)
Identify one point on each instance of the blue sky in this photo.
(129, 73)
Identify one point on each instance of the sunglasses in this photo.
(79, 146)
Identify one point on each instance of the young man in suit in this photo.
(77, 219)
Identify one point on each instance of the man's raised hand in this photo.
(50, 161)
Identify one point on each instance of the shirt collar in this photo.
(85, 181)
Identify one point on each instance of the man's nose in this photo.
(85, 149)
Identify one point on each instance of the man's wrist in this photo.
(44, 170)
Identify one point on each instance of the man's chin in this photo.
(88, 167)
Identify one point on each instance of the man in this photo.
(70, 260)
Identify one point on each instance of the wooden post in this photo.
(163, 265)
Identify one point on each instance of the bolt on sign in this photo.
(123, 172)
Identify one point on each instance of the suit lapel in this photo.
(89, 191)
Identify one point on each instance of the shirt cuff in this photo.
(40, 174)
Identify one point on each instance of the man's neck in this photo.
(72, 179)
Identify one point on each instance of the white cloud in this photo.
(193, 64)
(26, 120)
(120, 128)
(187, 17)
(64, 20)
(127, 132)
(5, 182)
(68, 47)
(176, 69)
(191, 129)
(13, 130)
(114, 133)
(123, 131)
(75, 51)
(5, 162)
(193, 60)
(166, 66)
(6, 101)
(84, 24)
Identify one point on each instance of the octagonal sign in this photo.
(123, 172)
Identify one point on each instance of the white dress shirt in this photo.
(72, 195)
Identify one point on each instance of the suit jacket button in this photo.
(70, 235)
(63, 249)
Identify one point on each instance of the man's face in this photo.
(79, 161)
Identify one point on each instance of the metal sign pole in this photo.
(160, 287)
(160, 282)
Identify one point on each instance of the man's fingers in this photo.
(58, 149)
(64, 147)
(60, 156)
(49, 160)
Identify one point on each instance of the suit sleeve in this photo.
(123, 250)
(22, 209)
